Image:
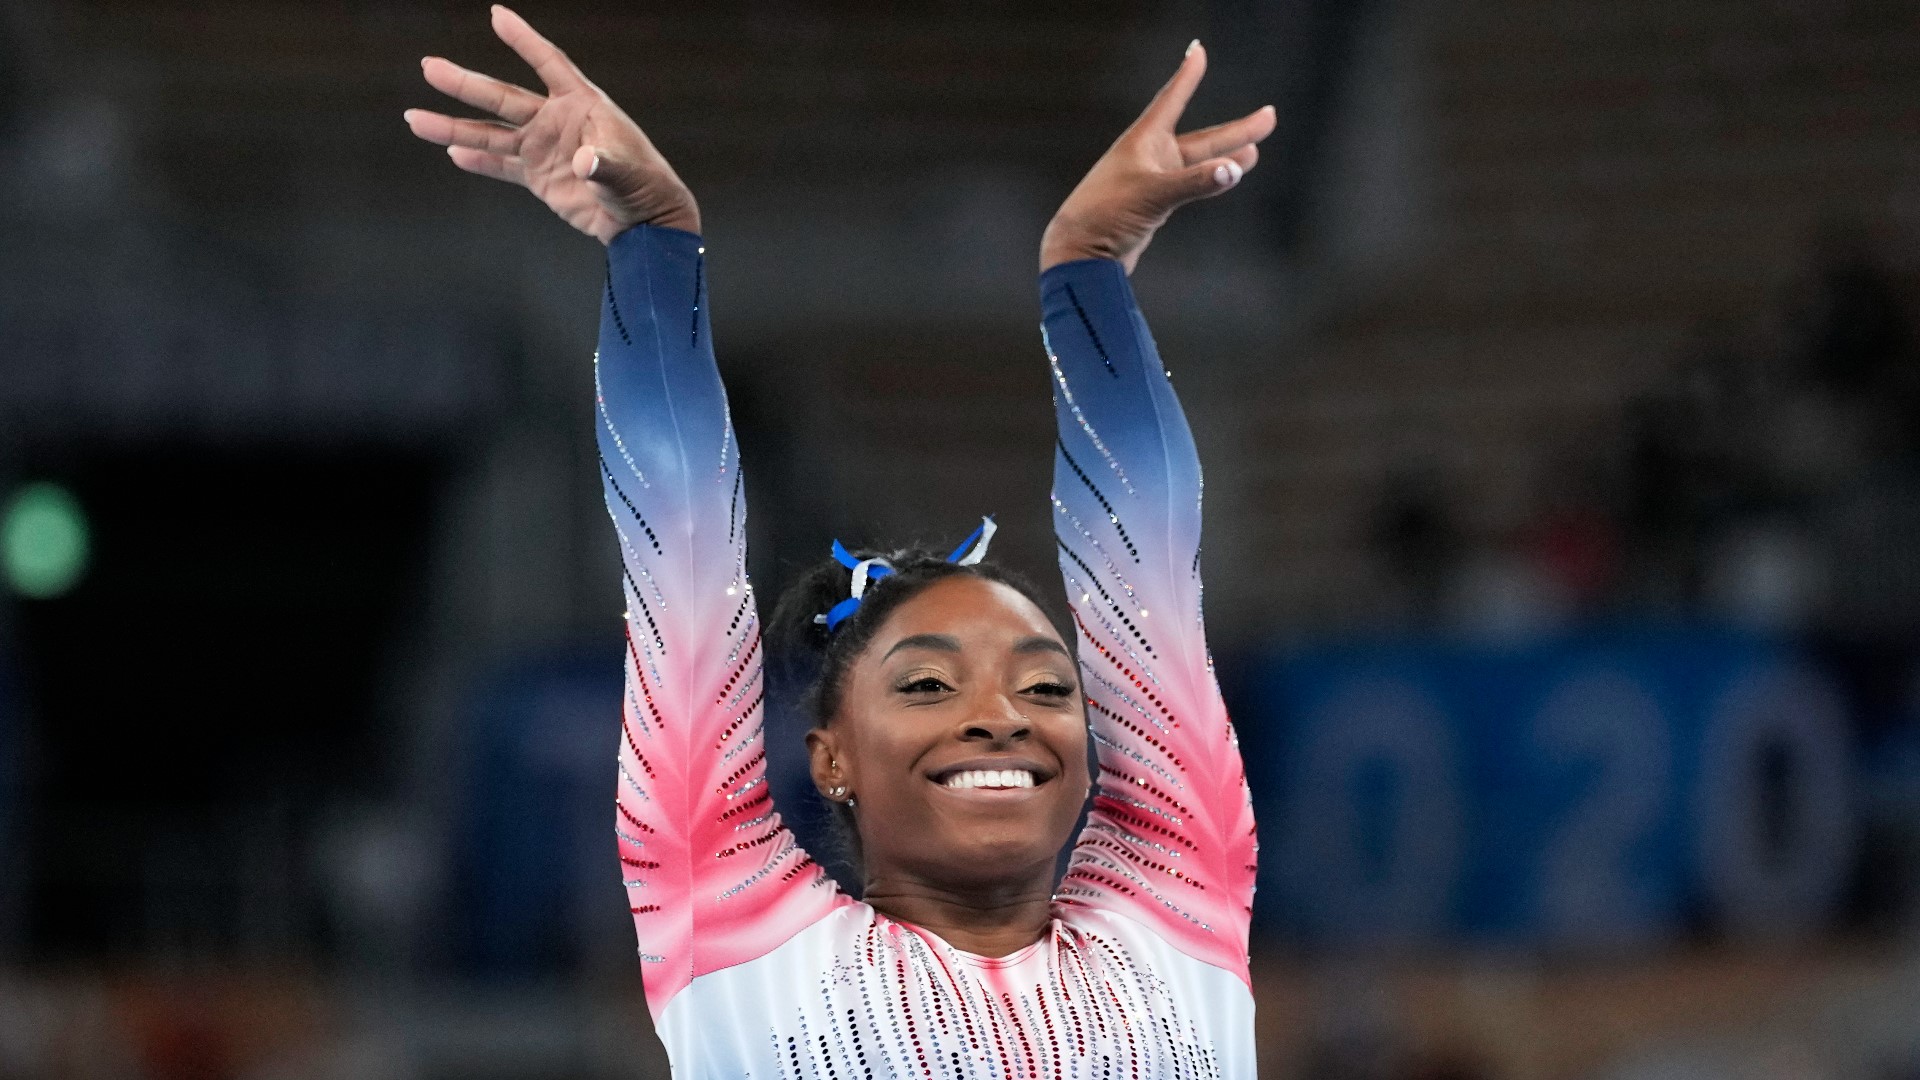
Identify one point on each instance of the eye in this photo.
(1049, 688)
(924, 684)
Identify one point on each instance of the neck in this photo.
(991, 920)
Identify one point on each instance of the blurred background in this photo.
(1556, 375)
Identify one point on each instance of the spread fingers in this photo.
(498, 166)
(1220, 139)
(511, 103)
(489, 135)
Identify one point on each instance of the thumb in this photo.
(597, 166)
(1204, 180)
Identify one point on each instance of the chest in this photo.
(884, 1000)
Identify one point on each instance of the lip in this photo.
(1041, 774)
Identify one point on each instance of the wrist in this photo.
(1063, 243)
(685, 217)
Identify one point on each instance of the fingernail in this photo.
(407, 115)
(1191, 45)
(1228, 174)
(594, 166)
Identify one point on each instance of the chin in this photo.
(997, 851)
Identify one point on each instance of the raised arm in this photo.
(713, 878)
(1170, 840)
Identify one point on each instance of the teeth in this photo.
(990, 778)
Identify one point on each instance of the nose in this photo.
(1002, 723)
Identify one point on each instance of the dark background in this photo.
(1555, 375)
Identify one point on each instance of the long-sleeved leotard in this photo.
(754, 963)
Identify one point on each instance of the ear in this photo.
(823, 760)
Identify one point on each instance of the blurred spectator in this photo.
(1415, 534)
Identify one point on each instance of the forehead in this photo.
(966, 606)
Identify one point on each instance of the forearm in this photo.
(1171, 832)
(712, 874)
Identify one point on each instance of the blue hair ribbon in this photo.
(866, 571)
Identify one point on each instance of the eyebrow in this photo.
(949, 643)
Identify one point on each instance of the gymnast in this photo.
(951, 720)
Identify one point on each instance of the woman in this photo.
(951, 727)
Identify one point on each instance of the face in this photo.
(961, 735)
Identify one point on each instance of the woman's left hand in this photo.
(1150, 172)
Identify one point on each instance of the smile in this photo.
(990, 779)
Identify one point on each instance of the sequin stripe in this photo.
(1074, 585)
(639, 863)
(1091, 849)
(631, 782)
(833, 1023)
(1042, 1024)
(787, 847)
(739, 718)
(1134, 819)
(1145, 690)
(1078, 871)
(1083, 976)
(747, 845)
(932, 990)
(1120, 579)
(613, 307)
(752, 823)
(754, 738)
(757, 800)
(733, 507)
(1113, 691)
(1086, 427)
(1124, 844)
(1094, 490)
(1126, 781)
(741, 640)
(1066, 1002)
(645, 690)
(991, 1015)
(1019, 1029)
(634, 747)
(753, 681)
(1113, 636)
(739, 612)
(1137, 758)
(607, 474)
(631, 819)
(699, 290)
(1074, 299)
(645, 612)
(643, 909)
(740, 773)
(740, 668)
(1115, 960)
(799, 866)
(1117, 796)
(606, 421)
(826, 1055)
(906, 1010)
(1137, 731)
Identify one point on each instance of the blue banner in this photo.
(1601, 791)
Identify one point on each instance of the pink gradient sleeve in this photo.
(1170, 841)
(713, 877)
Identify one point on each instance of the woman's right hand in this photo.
(573, 148)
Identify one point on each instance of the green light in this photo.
(43, 541)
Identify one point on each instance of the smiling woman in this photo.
(951, 720)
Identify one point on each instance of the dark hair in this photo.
(812, 661)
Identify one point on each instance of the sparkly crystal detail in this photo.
(903, 1004)
(1066, 394)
